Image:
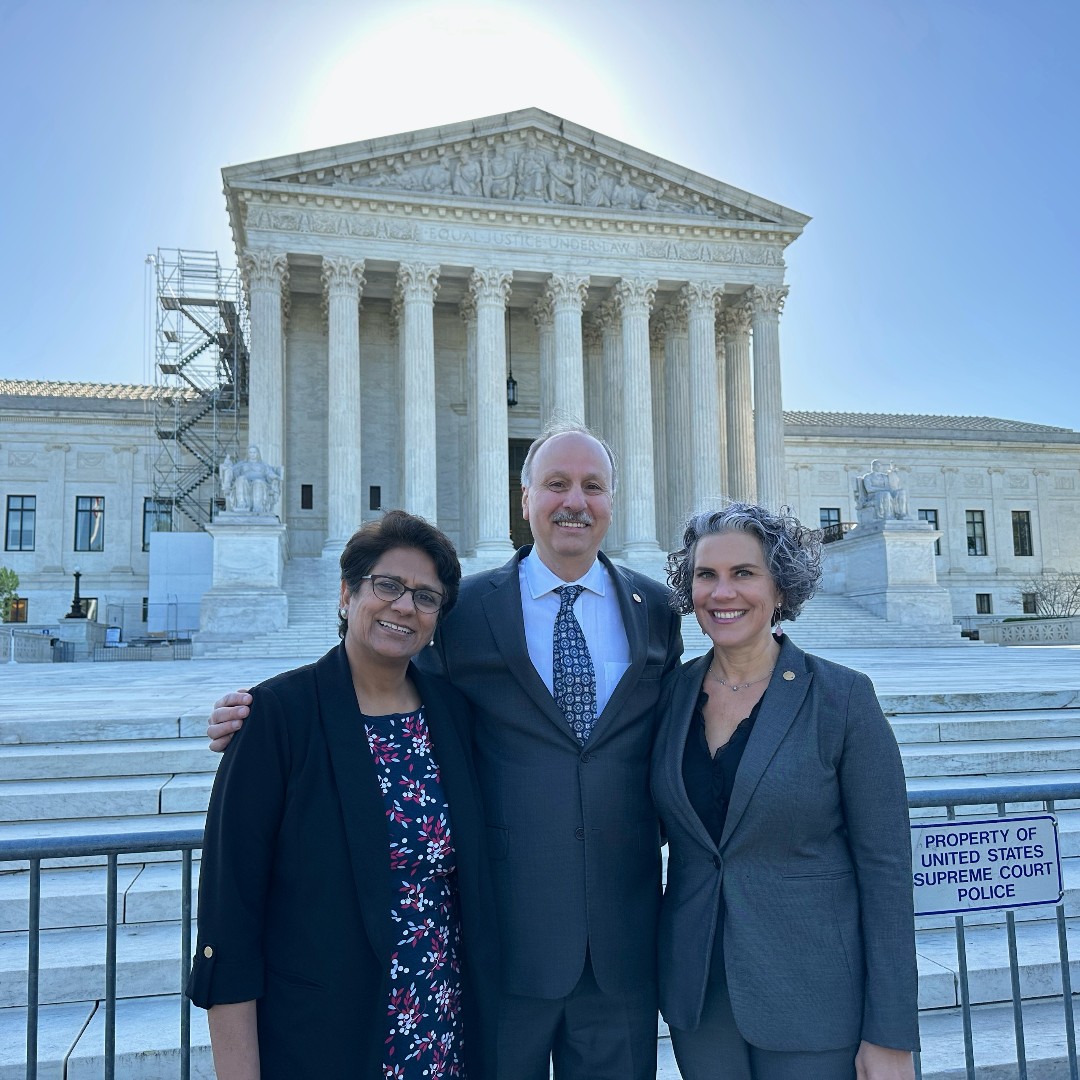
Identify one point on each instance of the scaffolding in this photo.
(201, 383)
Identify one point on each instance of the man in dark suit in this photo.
(563, 729)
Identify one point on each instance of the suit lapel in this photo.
(678, 717)
(361, 800)
(782, 701)
(502, 606)
(635, 618)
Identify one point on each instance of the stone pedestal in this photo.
(888, 568)
(246, 596)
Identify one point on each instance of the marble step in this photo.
(43, 761)
(71, 1041)
(988, 963)
(89, 798)
(986, 727)
(24, 729)
(981, 757)
(75, 896)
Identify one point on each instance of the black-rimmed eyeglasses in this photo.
(390, 589)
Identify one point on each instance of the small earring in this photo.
(778, 630)
(343, 612)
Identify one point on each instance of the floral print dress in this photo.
(424, 1025)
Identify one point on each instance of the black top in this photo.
(709, 780)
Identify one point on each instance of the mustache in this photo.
(569, 517)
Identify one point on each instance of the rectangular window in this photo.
(374, 497)
(21, 519)
(145, 615)
(18, 610)
(931, 519)
(1021, 522)
(976, 532)
(156, 517)
(307, 499)
(1029, 601)
(89, 523)
(829, 516)
(984, 604)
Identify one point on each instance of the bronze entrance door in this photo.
(519, 527)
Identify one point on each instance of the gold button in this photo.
(208, 952)
(637, 599)
(789, 675)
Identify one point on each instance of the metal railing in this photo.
(1000, 796)
(186, 841)
(182, 840)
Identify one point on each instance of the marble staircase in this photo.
(93, 771)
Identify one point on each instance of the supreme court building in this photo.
(395, 284)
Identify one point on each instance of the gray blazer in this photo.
(572, 831)
(813, 868)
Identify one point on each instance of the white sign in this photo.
(989, 865)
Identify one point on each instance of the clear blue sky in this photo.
(934, 142)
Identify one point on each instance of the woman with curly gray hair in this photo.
(787, 944)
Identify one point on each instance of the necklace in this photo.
(739, 685)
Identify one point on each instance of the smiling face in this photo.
(734, 593)
(568, 502)
(390, 631)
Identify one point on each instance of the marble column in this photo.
(417, 285)
(469, 503)
(543, 316)
(125, 489)
(739, 404)
(721, 393)
(52, 506)
(592, 340)
(679, 492)
(659, 443)
(567, 293)
(342, 281)
(266, 275)
(637, 488)
(705, 447)
(766, 303)
(490, 290)
(611, 365)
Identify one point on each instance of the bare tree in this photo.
(1056, 595)
(9, 590)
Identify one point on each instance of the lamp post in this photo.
(76, 611)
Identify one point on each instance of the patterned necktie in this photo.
(574, 680)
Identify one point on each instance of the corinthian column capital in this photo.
(418, 282)
(702, 297)
(490, 285)
(734, 321)
(264, 270)
(569, 290)
(635, 295)
(767, 299)
(342, 275)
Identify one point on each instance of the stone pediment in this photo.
(516, 160)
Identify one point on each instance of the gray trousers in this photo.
(716, 1050)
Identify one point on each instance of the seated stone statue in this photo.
(879, 494)
(250, 486)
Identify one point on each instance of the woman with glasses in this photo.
(345, 912)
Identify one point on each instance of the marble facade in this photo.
(393, 283)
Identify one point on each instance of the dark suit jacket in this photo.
(295, 889)
(572, 831)
(813, 867)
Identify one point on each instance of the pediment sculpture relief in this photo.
(525, 172)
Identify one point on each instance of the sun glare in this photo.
(437, 63)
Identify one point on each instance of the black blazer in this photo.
(572, 831)
(295, 889)
(813, 867)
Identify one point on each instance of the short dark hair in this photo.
(792, 552)
(399, 529)
(560, 426)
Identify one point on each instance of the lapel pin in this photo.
(789, 675)
(637, 599)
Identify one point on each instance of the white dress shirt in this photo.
(598, 614)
